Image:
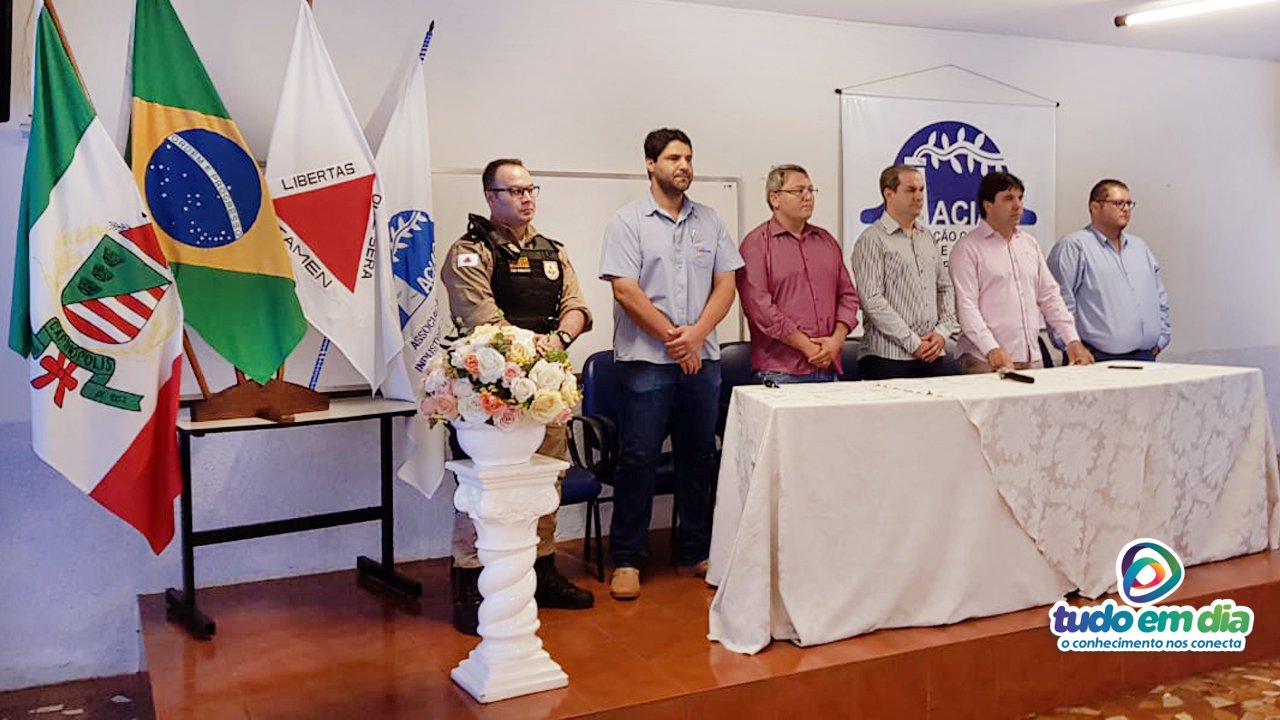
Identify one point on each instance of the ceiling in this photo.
(1247, 32)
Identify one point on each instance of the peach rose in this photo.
(472, 364)
(491, 403)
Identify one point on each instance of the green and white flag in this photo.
(93, 308)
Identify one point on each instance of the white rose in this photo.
(547, 375)
(458, 355)
(471, 410)
(547, 406)
(522, 389)
(526, 340)
(569, 389)
(462, 388)
(485, 335)
(491, 364)
(435, 380)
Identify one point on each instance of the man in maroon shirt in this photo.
(795, 289)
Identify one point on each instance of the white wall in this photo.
(573, 85)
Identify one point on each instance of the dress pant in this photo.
(652, 399)
(874, 367)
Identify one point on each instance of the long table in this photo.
(847, 507)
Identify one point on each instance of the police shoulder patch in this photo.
(467, 260)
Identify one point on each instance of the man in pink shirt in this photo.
(795, 290)
(1003, 287)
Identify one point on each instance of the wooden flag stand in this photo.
(277, 401)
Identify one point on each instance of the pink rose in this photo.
(510, 373)
(446, 406)
(427, 407)
(472, 364)
(507, 418)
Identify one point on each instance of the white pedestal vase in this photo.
(505, 502)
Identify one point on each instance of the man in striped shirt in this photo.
(906, 295)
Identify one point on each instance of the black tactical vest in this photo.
(527, 285)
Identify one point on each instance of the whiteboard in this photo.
(573, 208)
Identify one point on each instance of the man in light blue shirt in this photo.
(1110, 281)
(671, 264)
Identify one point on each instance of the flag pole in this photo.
(53, 15)
(195, 365)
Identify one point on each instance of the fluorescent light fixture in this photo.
(1198, 7)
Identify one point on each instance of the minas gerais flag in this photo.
(323, 183)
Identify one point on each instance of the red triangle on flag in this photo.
(333, 221)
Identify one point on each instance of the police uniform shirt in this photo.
(468, 274)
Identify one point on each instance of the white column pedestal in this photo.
(505, 503)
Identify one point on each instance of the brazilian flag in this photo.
(208, 201)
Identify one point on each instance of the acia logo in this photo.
(953, 156)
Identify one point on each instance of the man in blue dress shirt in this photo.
(1110, 281)
(671, 263)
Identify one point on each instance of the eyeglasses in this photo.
(1121, 204)
(518, 192)
(800, 192)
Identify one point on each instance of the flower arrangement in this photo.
(499, 375)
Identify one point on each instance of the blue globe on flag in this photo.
(203, 188)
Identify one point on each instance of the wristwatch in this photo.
(565, 338)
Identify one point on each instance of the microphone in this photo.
(1009, 374)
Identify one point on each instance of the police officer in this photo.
(503, 271)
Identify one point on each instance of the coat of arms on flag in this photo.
(114, 292)
(108, 300)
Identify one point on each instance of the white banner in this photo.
(955, 143)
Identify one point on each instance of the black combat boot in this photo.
(466, 599)
(555, 590)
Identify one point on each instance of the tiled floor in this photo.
(127, 697)
(321, 647)
(1244, 692)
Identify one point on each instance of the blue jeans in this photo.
(780, 378)
(651, 399)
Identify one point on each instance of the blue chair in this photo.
(579, 486)
(735, 370)
(593, 449)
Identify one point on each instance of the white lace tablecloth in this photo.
(849, 507)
